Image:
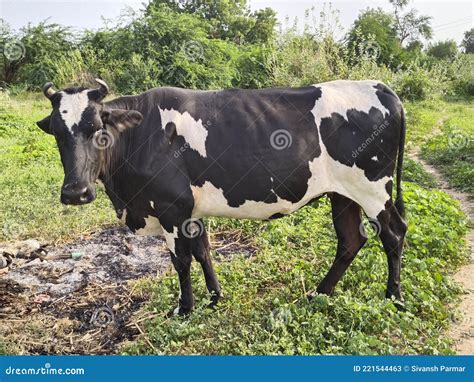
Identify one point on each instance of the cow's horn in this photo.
(48, 91)
(104, 88)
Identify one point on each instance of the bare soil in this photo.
(78, 298)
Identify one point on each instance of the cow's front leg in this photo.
(181, 255)
(201, 252)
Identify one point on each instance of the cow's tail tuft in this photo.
(399, 205)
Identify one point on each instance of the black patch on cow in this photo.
(363, 136)
(240, 157)
(276, 216)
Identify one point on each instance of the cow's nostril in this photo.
(85, 195)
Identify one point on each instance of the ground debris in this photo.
(55, 302)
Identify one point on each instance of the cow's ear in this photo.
(121, 119)
(44, 124)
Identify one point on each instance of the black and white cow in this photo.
(170, 157)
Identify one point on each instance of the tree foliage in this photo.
(212, 44)
(374, 31)
(410, 26)
(468, 41)
(443, 49)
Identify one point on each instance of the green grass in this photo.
(414, 172)
(264, 310)
(445, 132)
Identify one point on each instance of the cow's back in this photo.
(265, 153)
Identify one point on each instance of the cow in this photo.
(170, 157)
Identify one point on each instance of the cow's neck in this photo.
(115, 157)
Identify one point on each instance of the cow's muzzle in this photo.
(77, 195)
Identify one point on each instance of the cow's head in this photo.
(85, 130)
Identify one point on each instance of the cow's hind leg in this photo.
(201, 251)
(392, 234)
(346, 215)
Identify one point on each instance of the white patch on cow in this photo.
(374, 158)
(152, 225)
(338, 97)
(170, 238)
(72, 106)
(194, 133)
(327, 174)
(210, 201)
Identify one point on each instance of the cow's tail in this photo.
(399, 205)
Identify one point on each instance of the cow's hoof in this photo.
(318, 292)
(215, 298)
(311, 295)
(400, 305)
(179, 311)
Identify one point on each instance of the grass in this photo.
(264, 310)
(445, 132)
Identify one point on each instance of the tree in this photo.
(374, 31)
(230, 19)
(410, 26)
(33, 54)
(468, 41)
(443, 49)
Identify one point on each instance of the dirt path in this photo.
(462, 330)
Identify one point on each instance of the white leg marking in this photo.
(170, 239)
